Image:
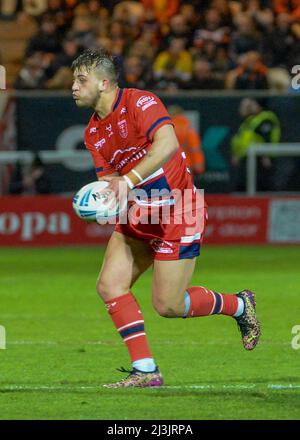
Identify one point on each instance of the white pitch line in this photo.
(204, 387)
(163, 342)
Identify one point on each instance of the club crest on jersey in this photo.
(145, 102)
(123, 128)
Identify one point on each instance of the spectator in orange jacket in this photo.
(163, 9)
(288, 6)
(250, 73)
(188, 139)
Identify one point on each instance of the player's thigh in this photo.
(170, 280)
(125, 260)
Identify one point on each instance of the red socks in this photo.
(204, 302)
(128, 319)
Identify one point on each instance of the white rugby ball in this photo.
(88, 203)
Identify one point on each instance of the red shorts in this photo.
(174, 236)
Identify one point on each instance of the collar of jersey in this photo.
(114, 106)
(117, 99)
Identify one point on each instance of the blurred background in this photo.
(228, 71)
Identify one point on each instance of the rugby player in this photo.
(132, 141)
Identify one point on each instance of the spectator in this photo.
(178, 29)
(176, 58)
(291, 7)
(250, 74)
(163, 10)
(223, 8)
(279, 42)
(62, 80)
(150, 38)
(149, 21)
(188, 139)
(294, 54)
(129, 12)
(83, 32)
(169, 82)
(134, 74)
(110, 5)
(140, 48)
(213, 30)
(246, 38)
(117, 36)
(46, 40)
(35, 8)
(55, 6)
(219, 31)
(262, 15)
(32, 75)
(70, 51)
(35, 181)
(216, 55)
(258, 126)
(188, 11)
(203, 77)
(8, 9)
(95, 7)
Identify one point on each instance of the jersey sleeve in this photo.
(102, 167)
(149, 113)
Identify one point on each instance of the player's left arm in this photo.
(164, 146)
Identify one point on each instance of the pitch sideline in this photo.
(203, 387)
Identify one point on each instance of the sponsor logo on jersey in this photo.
(100, 143)
(145, 102)
(93, 130)
(123, 111)
(120, 151)
(134, 156)
(123, 128)
(109, 129)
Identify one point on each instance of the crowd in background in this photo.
(165, 44)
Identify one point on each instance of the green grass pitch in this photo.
(61, 345)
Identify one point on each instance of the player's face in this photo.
(85, 89)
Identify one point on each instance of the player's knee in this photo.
(108, 288)
(102, 289)
(165, 308)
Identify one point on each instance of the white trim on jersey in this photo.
(157, 173)
(154, 203)
(190, 238)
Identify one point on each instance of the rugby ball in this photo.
(88, 203)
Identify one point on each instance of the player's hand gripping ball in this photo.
(92, 203)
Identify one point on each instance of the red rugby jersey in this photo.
(122, 139)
